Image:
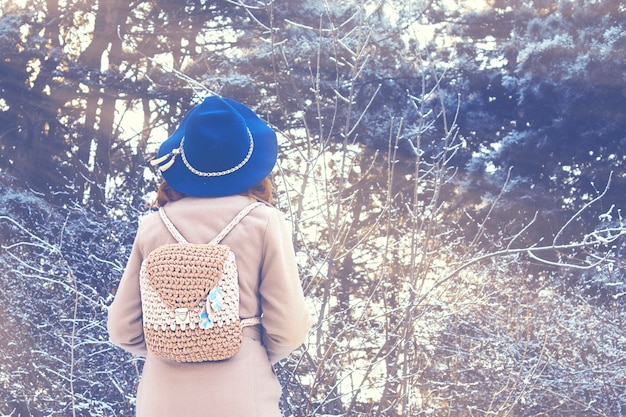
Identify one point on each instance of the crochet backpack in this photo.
(190, 298)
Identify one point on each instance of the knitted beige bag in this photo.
(190, 298)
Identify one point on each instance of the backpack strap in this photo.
(170, 226)
(243, 213)
(180, 238)
(252, 321)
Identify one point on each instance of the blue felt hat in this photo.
(220, 148)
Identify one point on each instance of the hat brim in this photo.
(259, 165)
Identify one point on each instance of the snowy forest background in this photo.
(454, 174)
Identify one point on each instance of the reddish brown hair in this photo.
(165, 194)
(261, 191)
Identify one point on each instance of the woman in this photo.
(216, 163)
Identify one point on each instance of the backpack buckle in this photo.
(182, 315)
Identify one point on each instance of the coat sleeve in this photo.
(286, 317)
(124, 323)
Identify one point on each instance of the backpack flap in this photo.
(181, 275)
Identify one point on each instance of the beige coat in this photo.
(244, 385)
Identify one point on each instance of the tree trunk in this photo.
(101, 101)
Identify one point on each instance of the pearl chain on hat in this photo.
(181, 151)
